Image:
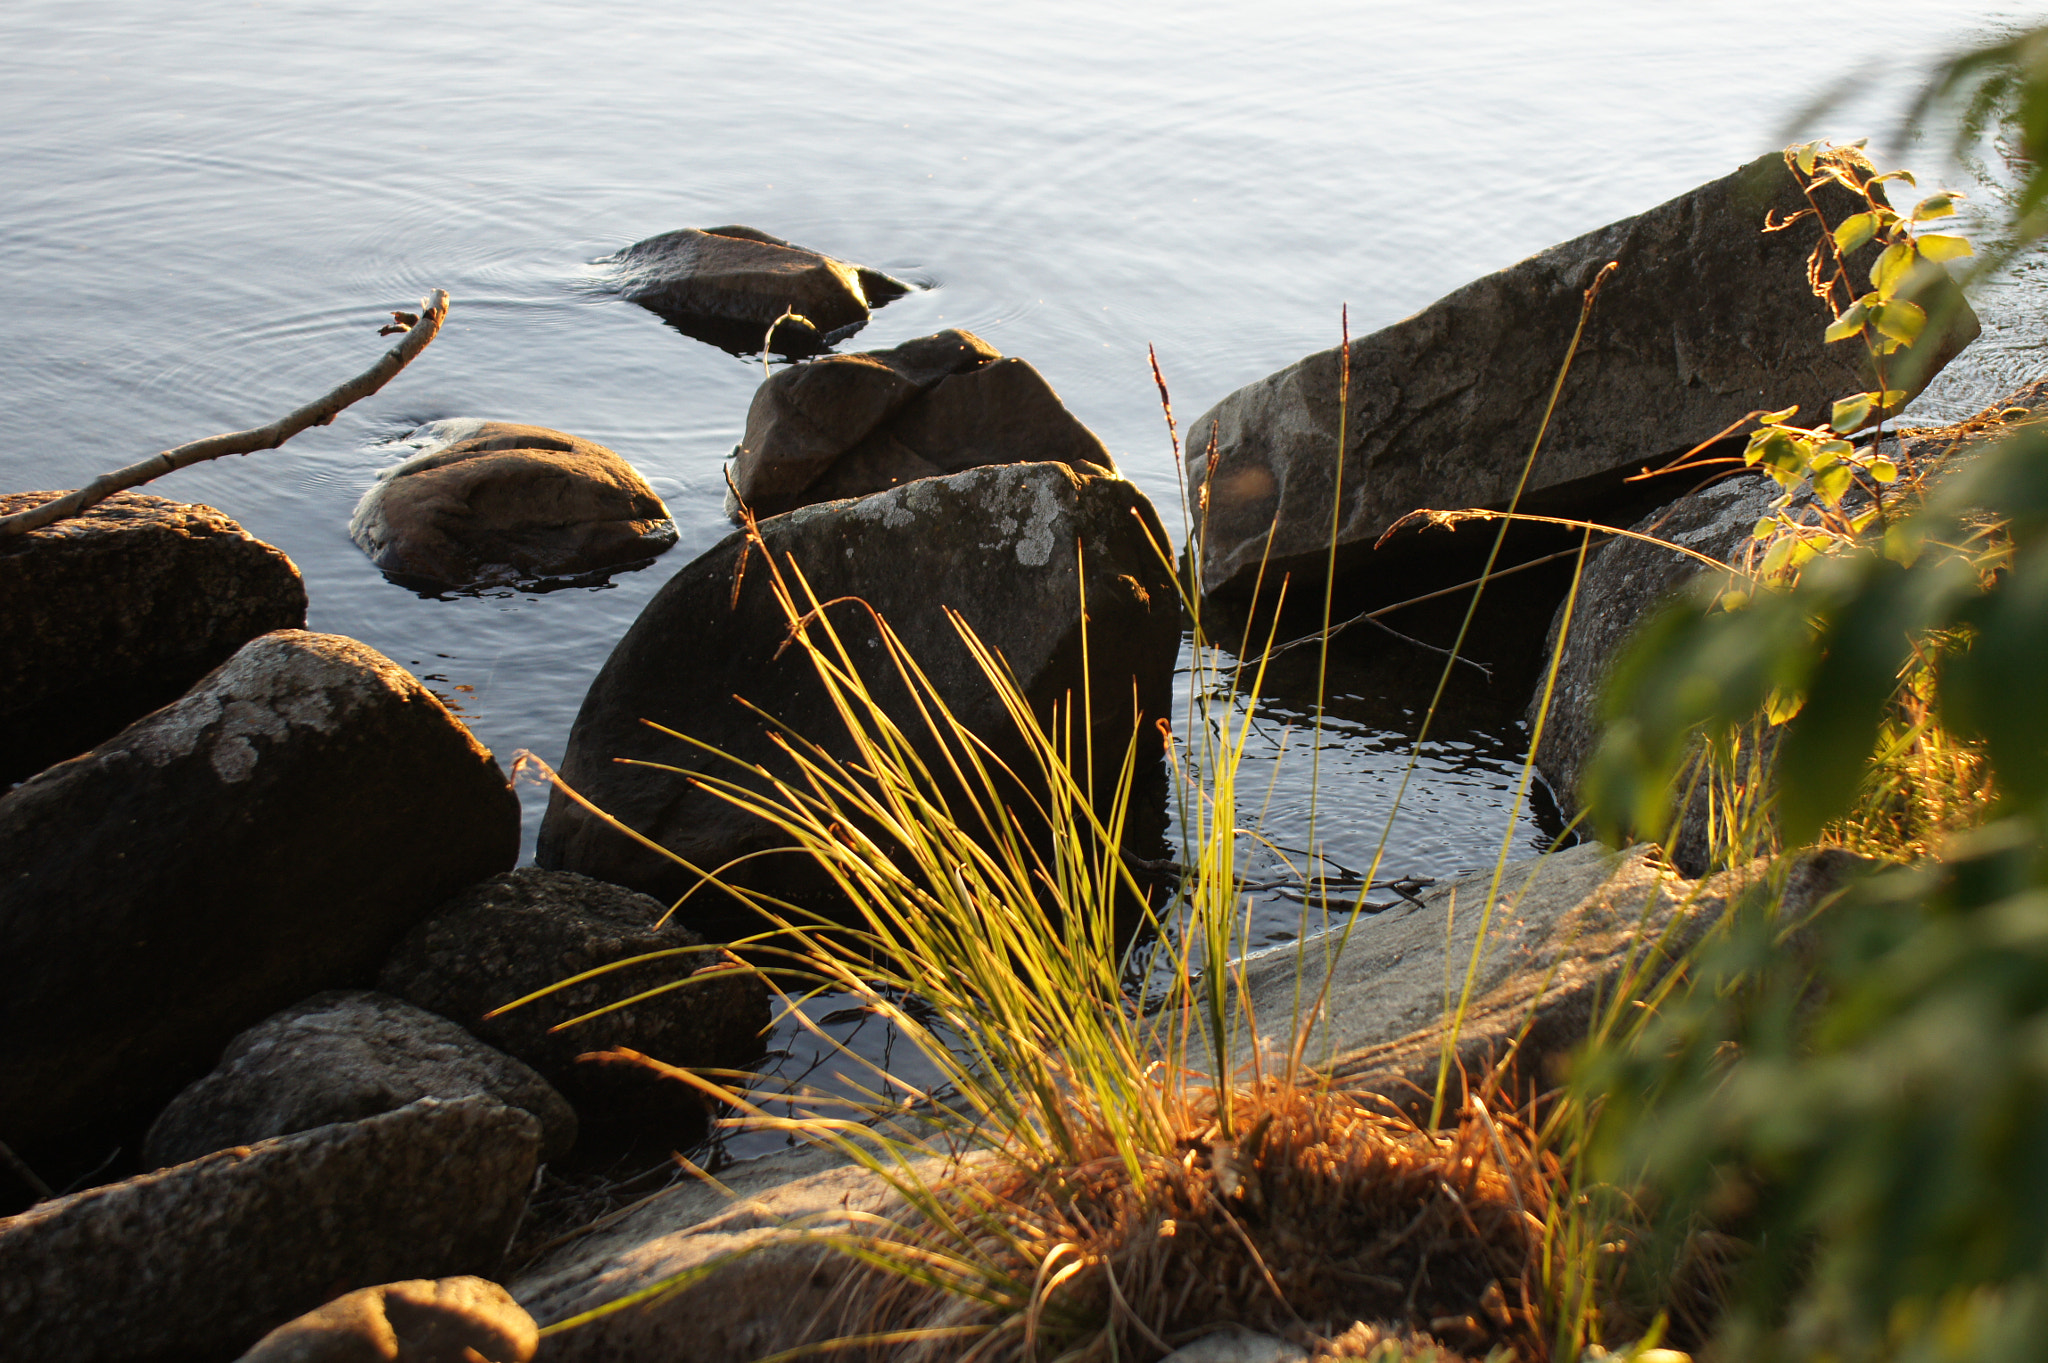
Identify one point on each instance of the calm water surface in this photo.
(206, 209)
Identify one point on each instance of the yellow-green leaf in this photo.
(1804, 157)
(1855, 231)
(1765, 528)
(1935, 206)
(1778, 418)
(1891, 267)
(1902, 321)
(1778, 556)
(1850, 323)
(1891, 397)
(1831, 483)
(1833, 449)
(1884, 470)
(1943, 246)
(1780, 706)
(1734, 601)
(1852, 411)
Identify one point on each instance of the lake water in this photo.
(206, 210)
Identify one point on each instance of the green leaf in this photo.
(1935, 206)
(1850, 323)
(1943, 246)
(1831, 450)
(1884, 470)
(1778, 555)
(1891, 397)
(1855, 230)
(1831, 483)
(1891, 267)
(1804, 157)
(1765, 528)
(1902, 321)
(1852, 411)
(1778, 418)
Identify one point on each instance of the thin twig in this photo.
(319, 412)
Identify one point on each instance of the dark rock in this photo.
(454, 1320)
(1707, 318)
(728, 285)
(194, 1263)
(527, 929)
(996, 544)
(341, 1056)
(852, 425)
(491, 502)
(271, 834)
(116, 611)
(1623, 583)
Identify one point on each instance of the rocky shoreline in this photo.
(257, 884)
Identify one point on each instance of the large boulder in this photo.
(452, 1320)
(729, 285)
(524, 930)
(271, 834)
(998, 545)
(340, 1056)
(1623, 583)
(1707, 319)
(195, 1263)
(116, 611)
(851, 425)
(484, 502)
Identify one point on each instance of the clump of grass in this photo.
(1329, 1209)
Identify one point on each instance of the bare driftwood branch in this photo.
(319, 412)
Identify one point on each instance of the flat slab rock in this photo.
(270, 835)
(1708, 318)
(853, 425)
(489, 502)
(195, 1263)
(729, 285)
(998, 545)
(340, 1056)
(116, 611)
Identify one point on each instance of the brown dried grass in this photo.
(1331, 1210)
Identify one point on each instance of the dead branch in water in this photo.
(319, 412)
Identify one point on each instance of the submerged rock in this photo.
(195, 1263)
(728, 285)
(851, 425)
(453, 1320)
(340, 1056)
(1707, 318)
(527, 929)
(116, 611)
(996, 544)
(486, 502)
(271, 834)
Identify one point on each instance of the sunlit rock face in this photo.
(273, 833)
(1705, 319)
(852, 425)
(1011, 548)
(117, 610)
(490, 502)
(729, 286)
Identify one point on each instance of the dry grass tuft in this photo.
(1330, 1210)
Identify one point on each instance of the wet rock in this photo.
(851, 425)
(524, 930)
(194, 1263)
(271, 834)
(116, 611)
(453, 1320)
(728, 285)
(493, 502)
(340, 1056)
(1707, 318)
(995, 544)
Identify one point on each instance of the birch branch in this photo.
(319, 412)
